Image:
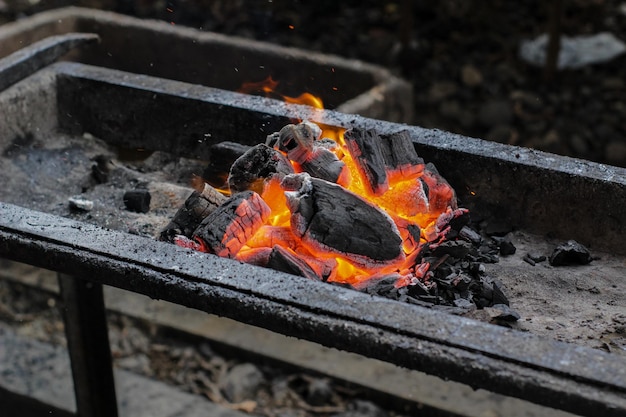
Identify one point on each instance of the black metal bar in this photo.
(559, 375)
(26, 61)
(88, 345)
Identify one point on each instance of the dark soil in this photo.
(461, 57)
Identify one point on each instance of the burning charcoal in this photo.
(365, 148)
(259, 163)
(286, 260)
(80, 203)
(137, 200)
(570, 253)
(334, 220)
(227, 228)
(440, 193)
(197, 206)
(399, 155)
(299, 142)
(507, 247)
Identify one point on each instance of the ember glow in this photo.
(331, 204)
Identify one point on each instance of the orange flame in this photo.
(268, 87)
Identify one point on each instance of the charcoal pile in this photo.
(361, 210)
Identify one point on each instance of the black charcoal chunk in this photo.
(507, 247)
(570, 253)
(137, 200)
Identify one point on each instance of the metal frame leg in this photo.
(88, 345)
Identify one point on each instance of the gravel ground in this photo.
(461, 57)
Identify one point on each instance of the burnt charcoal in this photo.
(300, 143)
(529, 260)
(502, 312)
(365, 148)
(455, 248)
(507, 247)
(488, 291)
(381, 286)
(496, 227)
(399, 154)
(470, 235)
(190, 215)
(285, 260)
(570, 253)
(137, 200)
(330, 217)
(223, 156)
(229, 226)
(419, 291)
(257, 164)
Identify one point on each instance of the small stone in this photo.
(570, 253)
(471, 76)
(241, 383)
(80, 203)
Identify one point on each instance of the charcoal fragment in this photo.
(137, 200)
(529, 260)
(470, 235)
(507, 247)
(570, 253)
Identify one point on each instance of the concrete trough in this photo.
(159, 49)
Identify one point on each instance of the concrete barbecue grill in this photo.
(57, 118)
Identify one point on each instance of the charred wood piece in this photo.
(226, 230)
(330, 218)
(286, 260)
(301, 144)
(401, 159)
(366, 150)
(196, 208)
(258, 164)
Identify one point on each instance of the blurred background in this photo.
(461, 56)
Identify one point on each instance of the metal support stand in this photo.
(88, 345)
